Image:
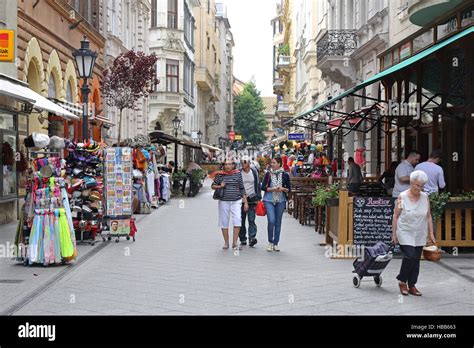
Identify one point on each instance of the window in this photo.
(173, 14)
(115, 30)
(188, 26)
(188, 84)
(8, 138)
(208, 6)
(69, 92)
(51, 87)
(448, 27)
(467, 17)
(172, 75)
(208, 42)
(154, 10)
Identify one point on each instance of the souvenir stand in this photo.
(118, 181)
(85, 189)
(45, 233)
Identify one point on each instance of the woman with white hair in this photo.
(411, 225)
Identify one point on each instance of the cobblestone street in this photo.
(177, 267)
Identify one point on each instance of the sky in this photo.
(253, 36)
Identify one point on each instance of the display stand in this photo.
(45, 233)
(118, 181)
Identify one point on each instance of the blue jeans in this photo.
(252, 225)
(274, 217)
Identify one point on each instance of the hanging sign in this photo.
(7, 45)
(232, 135)
(238, 137)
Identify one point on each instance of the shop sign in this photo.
(238, 137)
(296, 136)
(7, 45)
(232, 135)
(405, 50)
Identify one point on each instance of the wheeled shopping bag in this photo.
(373, 263)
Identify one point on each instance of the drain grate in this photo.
(11, 281)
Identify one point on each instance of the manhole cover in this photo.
(11, 281)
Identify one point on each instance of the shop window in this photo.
(8, 175)
(467, 17)
(387, 60)
(447, 27)
(423, 40)
(396, 55)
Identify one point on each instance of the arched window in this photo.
(51, 87)
(69, 92)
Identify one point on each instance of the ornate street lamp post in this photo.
(200, 136)
(85, 60)
(176, 124)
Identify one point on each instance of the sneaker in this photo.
(270, 247)
(253, 241)
(276, 248)
(243, 242)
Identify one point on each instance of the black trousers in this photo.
(410, 265)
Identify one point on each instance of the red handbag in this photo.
(260, 209)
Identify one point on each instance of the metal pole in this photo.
(176, 150)
(85, 110)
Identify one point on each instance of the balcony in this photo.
(166, 100)
(278, 85)
(423, 12)
(283, 64)
(285, 109)
(206, 82)
(333, 51)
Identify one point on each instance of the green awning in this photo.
(402, 65)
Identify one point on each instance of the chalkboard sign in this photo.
(373, 220)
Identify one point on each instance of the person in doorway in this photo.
(411, 225)
(253, 192)
(230, 180)
(387, 179)
(403, 171)
(354, 178)
(434, 172)
(276, 185)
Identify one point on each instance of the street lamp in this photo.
(200, 136)
(176, 124)
(85, 60)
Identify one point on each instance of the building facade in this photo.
(172, 38)
(126, 28)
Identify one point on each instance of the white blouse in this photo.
(412, 225)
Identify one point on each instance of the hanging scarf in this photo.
(57, 236)
(67, 248)
(277, 181)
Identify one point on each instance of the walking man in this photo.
(403, 171)
(434, 171)
(252, 190)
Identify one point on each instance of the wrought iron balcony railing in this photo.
(336, 43)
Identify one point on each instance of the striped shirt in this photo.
(234, 186)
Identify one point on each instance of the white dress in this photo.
(412, 226)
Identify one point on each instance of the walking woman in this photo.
(230, 204)
(411, 225)
(276, 185)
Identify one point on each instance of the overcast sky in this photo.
(253, 36)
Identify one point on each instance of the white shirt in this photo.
(412, 225)
(435, 176)
(403, 169)
(249, 182)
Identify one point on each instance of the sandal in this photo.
(225, 247)
(236, 247)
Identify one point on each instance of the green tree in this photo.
(249, 118)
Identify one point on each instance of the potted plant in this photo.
(178, 176)
(284, 50)
(323, 193)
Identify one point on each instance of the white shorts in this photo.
(228, 208)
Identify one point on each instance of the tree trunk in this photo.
(120, 128)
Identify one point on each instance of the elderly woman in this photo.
(411, 225)
(230, 204)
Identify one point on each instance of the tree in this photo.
(249, 118)
(131, 77)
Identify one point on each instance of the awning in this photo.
(19, 90)
(279, 139)
(102, 119)
(209, 147)
(335, 123)
(402, 65)
(163, 138)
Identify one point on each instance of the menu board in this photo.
(373, 220)
(118, 181)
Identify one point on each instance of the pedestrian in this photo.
(170, 168)
(276, 185)
(253, 189)
(387, 179)
(354, 178)
(403, 171)
(411, 224)
(230, 204)
(434, 172)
